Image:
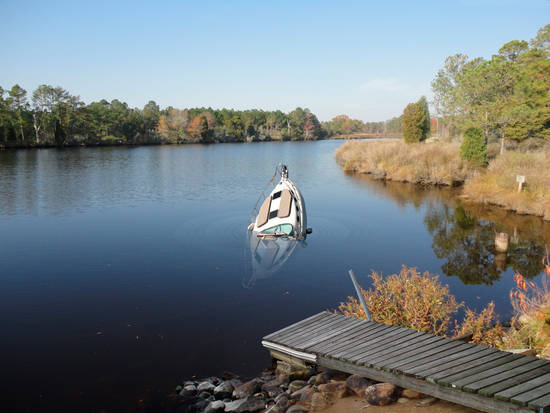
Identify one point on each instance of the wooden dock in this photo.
(471, 375)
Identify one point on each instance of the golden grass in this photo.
(498, 184)
(421, 163)
(439, 163)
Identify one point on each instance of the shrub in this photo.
(408, 299)
(483, 327)
(473, 147)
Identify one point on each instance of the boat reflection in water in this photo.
(268, 255)
(278, 226)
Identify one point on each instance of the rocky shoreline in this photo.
(284, 388)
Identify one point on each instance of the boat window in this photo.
(276, 195)
(279, 229)
(273, 214)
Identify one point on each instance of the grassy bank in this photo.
(440, 164)
(422, 163)
(497, 185)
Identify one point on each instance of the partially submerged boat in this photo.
(283, 212)
(276, 228)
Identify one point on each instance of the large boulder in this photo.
(357, 384)
(247, 389)
(381, 394)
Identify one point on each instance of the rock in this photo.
(402, 400)
(234, 405)
(252, 404)
(319, 401)
(312, 380)
(274, 387)
(381, 394)
(291, 371)
(189, 390)
(428, 401)
(357, 384)
(280, 406)
(204, 395)
(223, 390)
(201, 405)
(247, 389)
(179, 388)
(411, 394)
(297, 408)
(304, 394)
(215, 407)
(206, 386)
(335, 389)
(296, 385)
(189, 383)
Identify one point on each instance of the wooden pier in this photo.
(471, 375)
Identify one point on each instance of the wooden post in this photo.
(520, 179)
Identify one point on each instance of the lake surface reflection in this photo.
(123, 269)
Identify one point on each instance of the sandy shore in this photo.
(358, 405)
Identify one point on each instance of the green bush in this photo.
(473, 147)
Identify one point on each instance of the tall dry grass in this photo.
(498, 184)
(421, 163)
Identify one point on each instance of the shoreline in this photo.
(288, 388)
(436, 164)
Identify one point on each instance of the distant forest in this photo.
(54, 117)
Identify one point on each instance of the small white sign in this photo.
(520, 179)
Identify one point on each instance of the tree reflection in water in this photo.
(463, 234)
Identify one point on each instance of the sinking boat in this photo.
(283, 212)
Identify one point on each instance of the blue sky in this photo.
(366, 59)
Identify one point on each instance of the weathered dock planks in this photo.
(476, 376)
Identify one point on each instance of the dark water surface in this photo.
(122, 269)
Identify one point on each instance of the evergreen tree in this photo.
(473, 147)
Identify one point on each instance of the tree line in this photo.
(51, 116)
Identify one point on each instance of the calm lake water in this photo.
(123, 270)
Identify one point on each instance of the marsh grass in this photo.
(439, 163)
(420, 163)
(498, 184)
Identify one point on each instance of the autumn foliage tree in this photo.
(198, 129)
(312, 127)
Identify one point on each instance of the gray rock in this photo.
(247, 389)
(204, 395)
(251, 404)
(179, 388)
(280, 406)
(223, 390)
(215, 407)
(206, 386)
(201, 405)
(189, 383)
(234, 405)
(189, 390)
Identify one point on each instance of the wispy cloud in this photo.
(384, 84)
